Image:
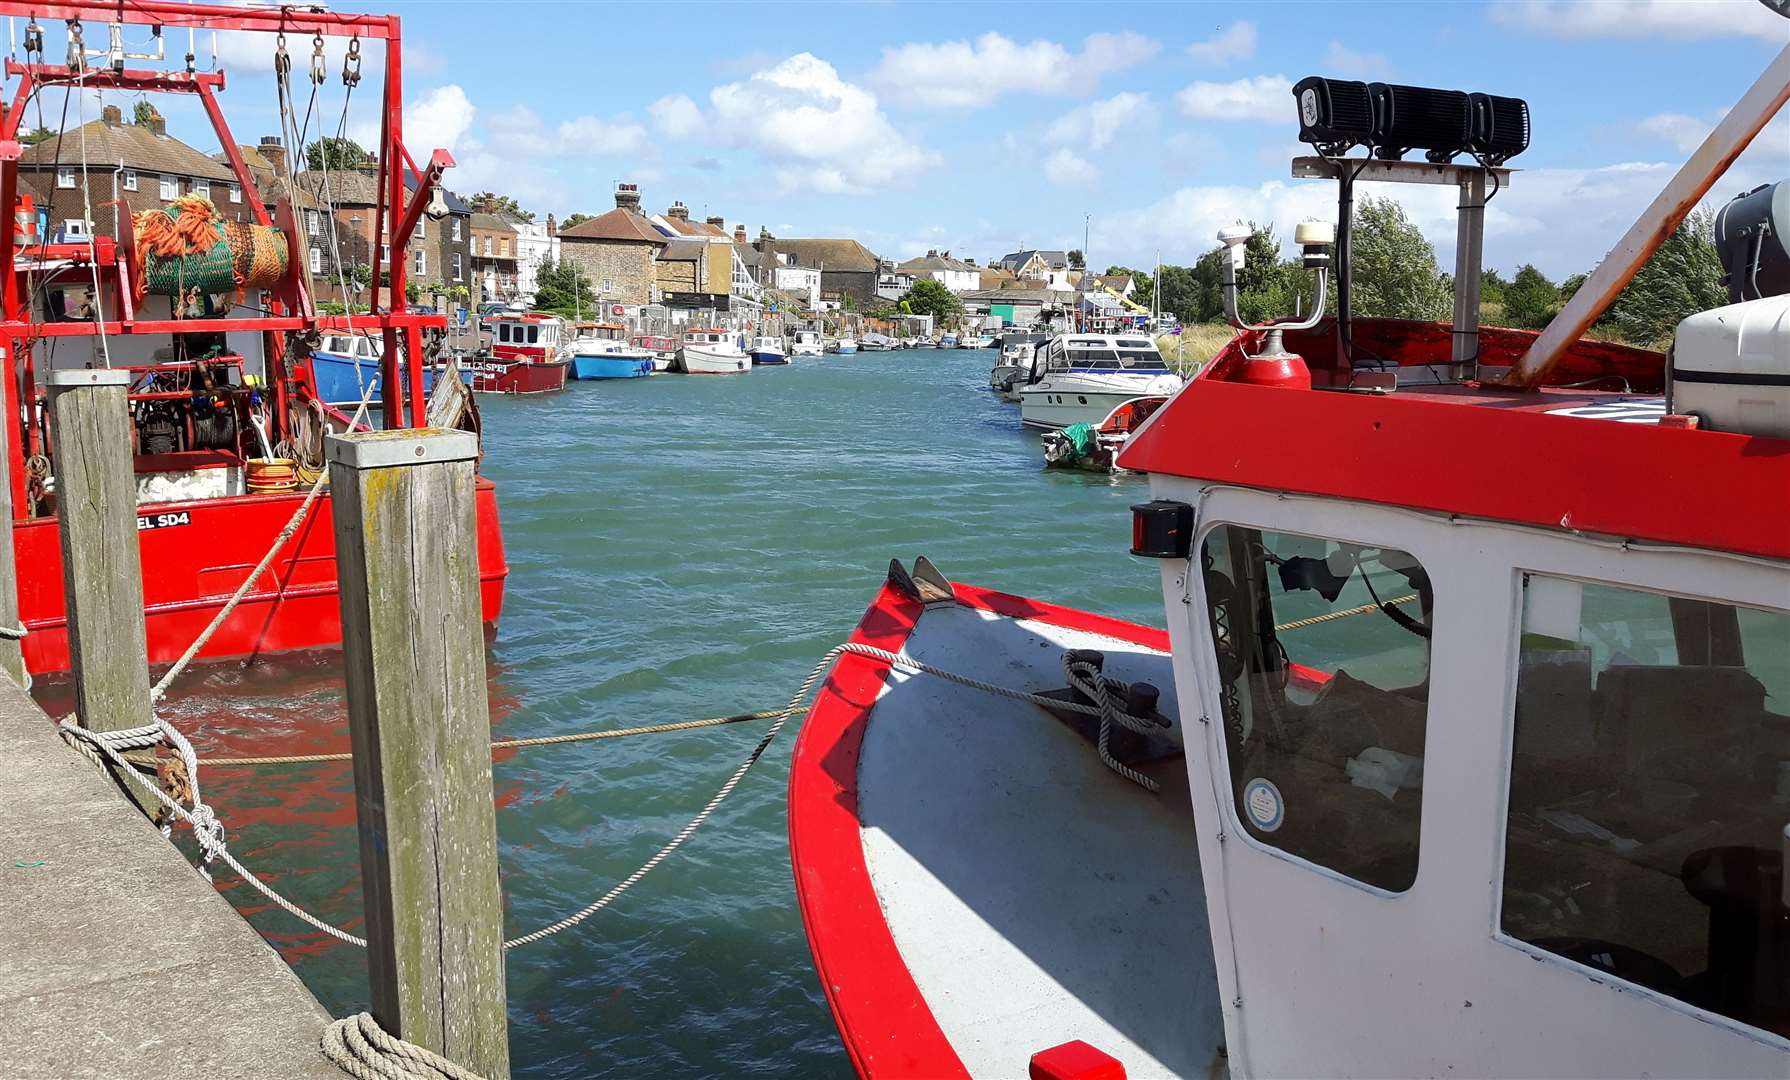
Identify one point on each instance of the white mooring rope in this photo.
(360, 1047)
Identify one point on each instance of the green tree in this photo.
(1395, 275)
(574, 219)
(1492, 287)
(563, 289)
(1531, 299)
(35, 136)
(334, 153)
(489, 202)
(1570, 286)
(1680, 279)
(1076, 260)
(143, 113)
(929, 297)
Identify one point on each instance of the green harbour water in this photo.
(679, 547)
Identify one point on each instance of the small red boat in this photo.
(221, 367)
(525, 357)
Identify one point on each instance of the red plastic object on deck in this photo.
(1075, 1060)
(1285, 370)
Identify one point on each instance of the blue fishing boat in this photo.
(768, 350)
(602, 351)
(345, 365)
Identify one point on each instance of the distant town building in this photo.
(494, 260)
(1049, 267)
(953, 274)
(537, 243)
(848, 269)
(616, 250)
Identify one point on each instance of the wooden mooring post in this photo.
(102, 565)
(414, 650)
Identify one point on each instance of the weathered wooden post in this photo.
(102, 568)
(407, 560)
(12, 657)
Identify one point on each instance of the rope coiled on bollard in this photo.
(360, 1047)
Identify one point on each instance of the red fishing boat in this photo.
(526, 357)
(214, 319)
(1465, 749)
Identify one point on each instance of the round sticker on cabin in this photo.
(1261, 801)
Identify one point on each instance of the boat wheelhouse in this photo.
(1081, 378)
(219, 369)
(768, 349)
(525, 357)
(1464, 751)
(662, 348)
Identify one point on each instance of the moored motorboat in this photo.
(345, 367)
(844, 346)
(1080, 378)
(948, 341)
(602, 351)
(768, 350)
(876, 343)
(712, 351)
(806, 343)
(1015, 362)
(662, 349)
(525, 357)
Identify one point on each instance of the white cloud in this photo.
(820, 131)
(1341, 60)
(1235, 42)
(1684, 133)
(440, 118)
(973, 74)
(1098, 124)
(1064, 169)
(1768, 152)
(519, 132)
(676, 116)
(1676, 19)
(1264, 97)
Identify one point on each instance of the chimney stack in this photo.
(112, 115)
(764, 235)
(552, 226)
(274, 151)
(627, 197)
(932, 253)
(678, 211)
(718, 222)
(739, 234)
(158, 125)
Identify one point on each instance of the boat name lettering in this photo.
(146, 522)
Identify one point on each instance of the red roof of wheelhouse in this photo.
(1477, 450)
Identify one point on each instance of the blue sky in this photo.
(986, 127)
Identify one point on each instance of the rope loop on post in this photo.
(360, 1047)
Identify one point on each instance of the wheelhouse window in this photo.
(1323, 660)
(503, 332)
(1650, 793)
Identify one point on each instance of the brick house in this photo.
(615, 251)
(439, 252)
(494, 257)
(156, 169)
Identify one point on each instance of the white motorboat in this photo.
(1082, 378)
(1015, 364)
(976, 341)
(843, 346)
(712, 351)
(876, 343)
(806, 343)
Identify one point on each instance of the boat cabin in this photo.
(1101, 352)
(530, 336)
(601, 331)
(358, 346)
(708, 336)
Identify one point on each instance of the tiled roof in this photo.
(1053, 259)
(137, 147)
(617, 224)
(491, 221)
(682, 249)
(687, 227)
(935, 263)
(846, 255)
(1020, 296)
(992, 276)
(1115, 282)
(749, 255)
(346, 187)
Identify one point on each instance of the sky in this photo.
(985, 128)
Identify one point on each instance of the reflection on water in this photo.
(679, 548)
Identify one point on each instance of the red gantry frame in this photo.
(292, 310)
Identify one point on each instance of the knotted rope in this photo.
(360, 1047)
